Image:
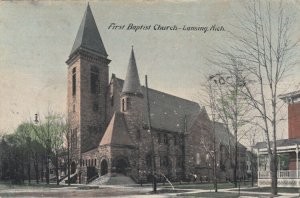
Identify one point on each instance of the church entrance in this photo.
(73, 167)
(121, 166)
(104, 167)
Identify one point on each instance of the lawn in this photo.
(6, 185)
(216, 195)
(268, 189)
(206, 186)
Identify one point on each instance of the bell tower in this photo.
(86, 90)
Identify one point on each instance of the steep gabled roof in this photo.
(88, 36)
(168, 112)
(225, 136)
(116, 133)
(132, 81)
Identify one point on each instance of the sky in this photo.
(37, 37)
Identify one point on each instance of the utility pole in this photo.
(212, 104)
(152, 138)
(68, 144)
(48, 152)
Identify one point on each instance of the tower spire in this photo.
(88, 37)
(132, 81)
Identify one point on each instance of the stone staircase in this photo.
(112, 179)
(63, 182)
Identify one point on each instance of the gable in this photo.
(116, 132)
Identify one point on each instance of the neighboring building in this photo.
(287, 149)
(251, 165)
(108, 120)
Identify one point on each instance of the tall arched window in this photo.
(198, 158)
(123, 105)
(95, 85)
(165, 161)
(74, 81)
(148, 161)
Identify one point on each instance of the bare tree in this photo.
(230, 106)
(263, 47)
(208, 131)
(67, 132)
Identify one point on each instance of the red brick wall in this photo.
(294, 120)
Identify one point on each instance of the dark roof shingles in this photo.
(88, 36)
(168, 112)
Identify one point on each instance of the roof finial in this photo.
(132, 47)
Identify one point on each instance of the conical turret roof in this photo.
(88, 36)
(132, 81)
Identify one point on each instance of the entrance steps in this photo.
(112, 179)
(63, 182)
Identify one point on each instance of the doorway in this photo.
(104, 167)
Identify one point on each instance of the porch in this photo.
(288, 174)
(286, 178)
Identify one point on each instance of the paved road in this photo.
(105, 191)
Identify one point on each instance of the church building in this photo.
(108, 118)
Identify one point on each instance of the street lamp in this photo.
(36, 118)
(152, 139)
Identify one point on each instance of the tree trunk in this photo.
(36, 168)
(274, 174)
(56, 169)
(47, 169)
(29, 173)
(215, 175)
(42, 170)
(235, 163)
(69, 182)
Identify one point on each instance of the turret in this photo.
(132, 99)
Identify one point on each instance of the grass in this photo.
(268, 189)
(5, 185)
(216, 195)
(206, 186)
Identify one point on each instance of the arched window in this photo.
(138, 134)
(123, 105)
(74, 81)
(158, 138)
(148, 161)
(112, 100)
(166, 141)
(175, 140)
(198, 158)
(95, 80)
(165, 161)
(179, 162)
